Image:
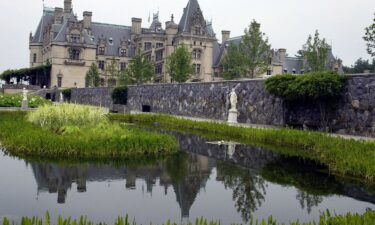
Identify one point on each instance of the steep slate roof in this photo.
(293, 64)
(187, 17)
(47, 18)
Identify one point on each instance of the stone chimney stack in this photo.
(87, 19)
(136, 25)
(59, 14)
(282, 54)
(225, 35)
(67, 6)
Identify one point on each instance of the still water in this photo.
(226, 183)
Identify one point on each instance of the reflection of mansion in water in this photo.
(59, 179)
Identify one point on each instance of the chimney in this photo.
(87, 19)
(136, 25)
(282, 54)
(225, 35)
(58, 15)
(67, 6)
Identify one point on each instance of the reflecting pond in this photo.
(229, 183)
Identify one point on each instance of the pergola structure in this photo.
(38, 76)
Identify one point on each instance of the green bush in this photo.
(57, 116)
(67, 93)
(317, 86)
(120, 95)
(13, 100)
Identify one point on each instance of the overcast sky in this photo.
(287, 23)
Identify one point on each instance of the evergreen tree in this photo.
(92, 76)
(232, 62)
(179, 64)
(315, 52)
(139, 71)
(370, 38)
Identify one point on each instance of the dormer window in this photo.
(285, 70)
(110, 41)
(93, 39)
(75, 38)
(74, 54)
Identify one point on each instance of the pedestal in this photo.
(233, 115)
(24, 105)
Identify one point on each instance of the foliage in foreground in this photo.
(13, 100)
(318, 86)
(368, 218)
(342, 156)
(57, 116)
(104, 141)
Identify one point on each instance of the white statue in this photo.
(233, 99)
(61, 97)
(24, 93)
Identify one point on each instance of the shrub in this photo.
(57, 116)
(120, 95)
(318, 86)
(12, 100)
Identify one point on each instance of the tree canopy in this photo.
(250, 58)
(315, 52)
(370, 38)
(139, 71)
(92, 76)
(113, 72)
(179, 64)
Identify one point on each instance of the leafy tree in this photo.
(360, 66)
(112, 70)
(232, 63)
(255, 51)
(92, 76)
(315, 52)
(139, 71)
(179, 64)
(370, 38)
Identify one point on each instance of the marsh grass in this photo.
(368, 218)
(341, 156)
(105, 141)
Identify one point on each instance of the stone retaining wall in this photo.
(353, 114)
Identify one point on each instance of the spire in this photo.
(191, 14)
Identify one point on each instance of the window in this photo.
(269, 72)
(201, 43)
(110, 41)
(159, 45)
(159, 69)
(75, 38)
(59, 81)
(74, 54)
(159, 55)
(197, 30)
(34, 58)
(122, 66)
(101, 65)
(101, 50)
(197, 53)
(147, 46)
(123, 52)
(197, 69)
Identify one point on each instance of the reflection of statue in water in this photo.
(248, 189)
(231, 150)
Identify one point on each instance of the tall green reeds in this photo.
(342, 156)
(368, 218)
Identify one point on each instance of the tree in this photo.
(92, 76)
(232, 63)
(179, 64)
(315, 52)
(139, 71)
(255, 50)
(112, 71)
(370, 38)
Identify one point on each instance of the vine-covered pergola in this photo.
(39, 76)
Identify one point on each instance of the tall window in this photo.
(59, 81)
(197, 69)
(123, 52)
(34, 58)
(74, 54)
(148, 46)
(101, 50)
(159, 55)
(75, 38)
(122, 66)
(159, 69)
(101, 65)
(197, 53)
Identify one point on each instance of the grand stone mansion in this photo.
(71, 45)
